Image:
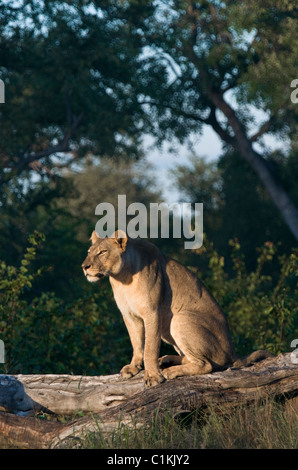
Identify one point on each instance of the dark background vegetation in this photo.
(85, 83)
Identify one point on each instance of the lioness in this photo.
(161, 299)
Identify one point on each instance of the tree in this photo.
(102, 181)
(122, 415)
(248, 212)
(63, 208)
(236, 204)
(95, 76)
(216, 63)
(201, 181)
(67, 71)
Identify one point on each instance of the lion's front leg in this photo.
(153, 375)
(135, 328)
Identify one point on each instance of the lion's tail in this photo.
(252, 358)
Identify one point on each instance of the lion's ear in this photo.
(120, 238)
(94, 237)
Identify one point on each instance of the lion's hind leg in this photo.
(193, 340)
(199, 367)
(170, 360)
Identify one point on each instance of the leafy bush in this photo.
(261, 305)
(45, 334)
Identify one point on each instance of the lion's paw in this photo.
(153, 379)
(170, 373)
(130, 371)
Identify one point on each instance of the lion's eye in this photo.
(101, 252)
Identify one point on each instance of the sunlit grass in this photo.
(269, 425)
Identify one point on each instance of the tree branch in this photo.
(62, 146)
(113, 400)
(28, 158)
(213, 122)
(243, 145)
(262, 130)
(180, 112)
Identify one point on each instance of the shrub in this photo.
(45, 334)
(261, 306)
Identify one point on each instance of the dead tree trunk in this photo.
(113, 400)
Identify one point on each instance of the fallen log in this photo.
(113, 400)
(66, 394)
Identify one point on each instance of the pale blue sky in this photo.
(207, 145)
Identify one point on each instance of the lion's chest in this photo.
(129, 299)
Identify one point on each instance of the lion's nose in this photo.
(85, 266)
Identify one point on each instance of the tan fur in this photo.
(161, 299)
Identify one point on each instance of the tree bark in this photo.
(240, 140)
(66, 394)
(114, 401)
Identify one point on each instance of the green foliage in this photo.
(89, 104)
(115, 57)
(125, 69)
(63, 208)
(248, 213)
(236, 48)
(134, 179)
(261, 305)
(236, 205)
(46, 334)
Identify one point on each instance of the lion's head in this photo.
(105, 256)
